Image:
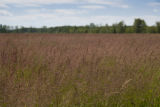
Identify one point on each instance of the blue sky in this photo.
(39, 13)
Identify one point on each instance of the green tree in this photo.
(4, 29)
(1, 27)
(139, 26)
(129, 29)
(158, 27)
(92, 25)
(113, 28)
(16, 29)
(151, 29)
(120, 27)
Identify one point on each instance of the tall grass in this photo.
(42, 70)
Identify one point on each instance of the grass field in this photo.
(79, 70)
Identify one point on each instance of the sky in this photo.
(38, 13)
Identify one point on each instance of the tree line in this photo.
(139, 26)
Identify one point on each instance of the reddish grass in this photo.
(79, 70)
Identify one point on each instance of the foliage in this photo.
(139, 26)
(158, 27)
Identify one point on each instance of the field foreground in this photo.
(79, 70)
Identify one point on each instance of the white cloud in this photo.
(124, 6)
(3, 5)
(69, 11)
(92, 7)
(5, 13)
(154, 4)
(58, 12)
(35, 3)
(42, 18)
(155, 10)
(110, 3)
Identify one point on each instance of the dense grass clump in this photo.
(42, 70)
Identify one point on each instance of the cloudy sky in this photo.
(39, 13)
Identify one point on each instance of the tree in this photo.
(139, 26)
(129, 29)
(103, 29)
(151, 29)
(113, 28)
(1, 27)
(120, 27)
(158, 27)
(92, 25)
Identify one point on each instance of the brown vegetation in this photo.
(83, 70)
